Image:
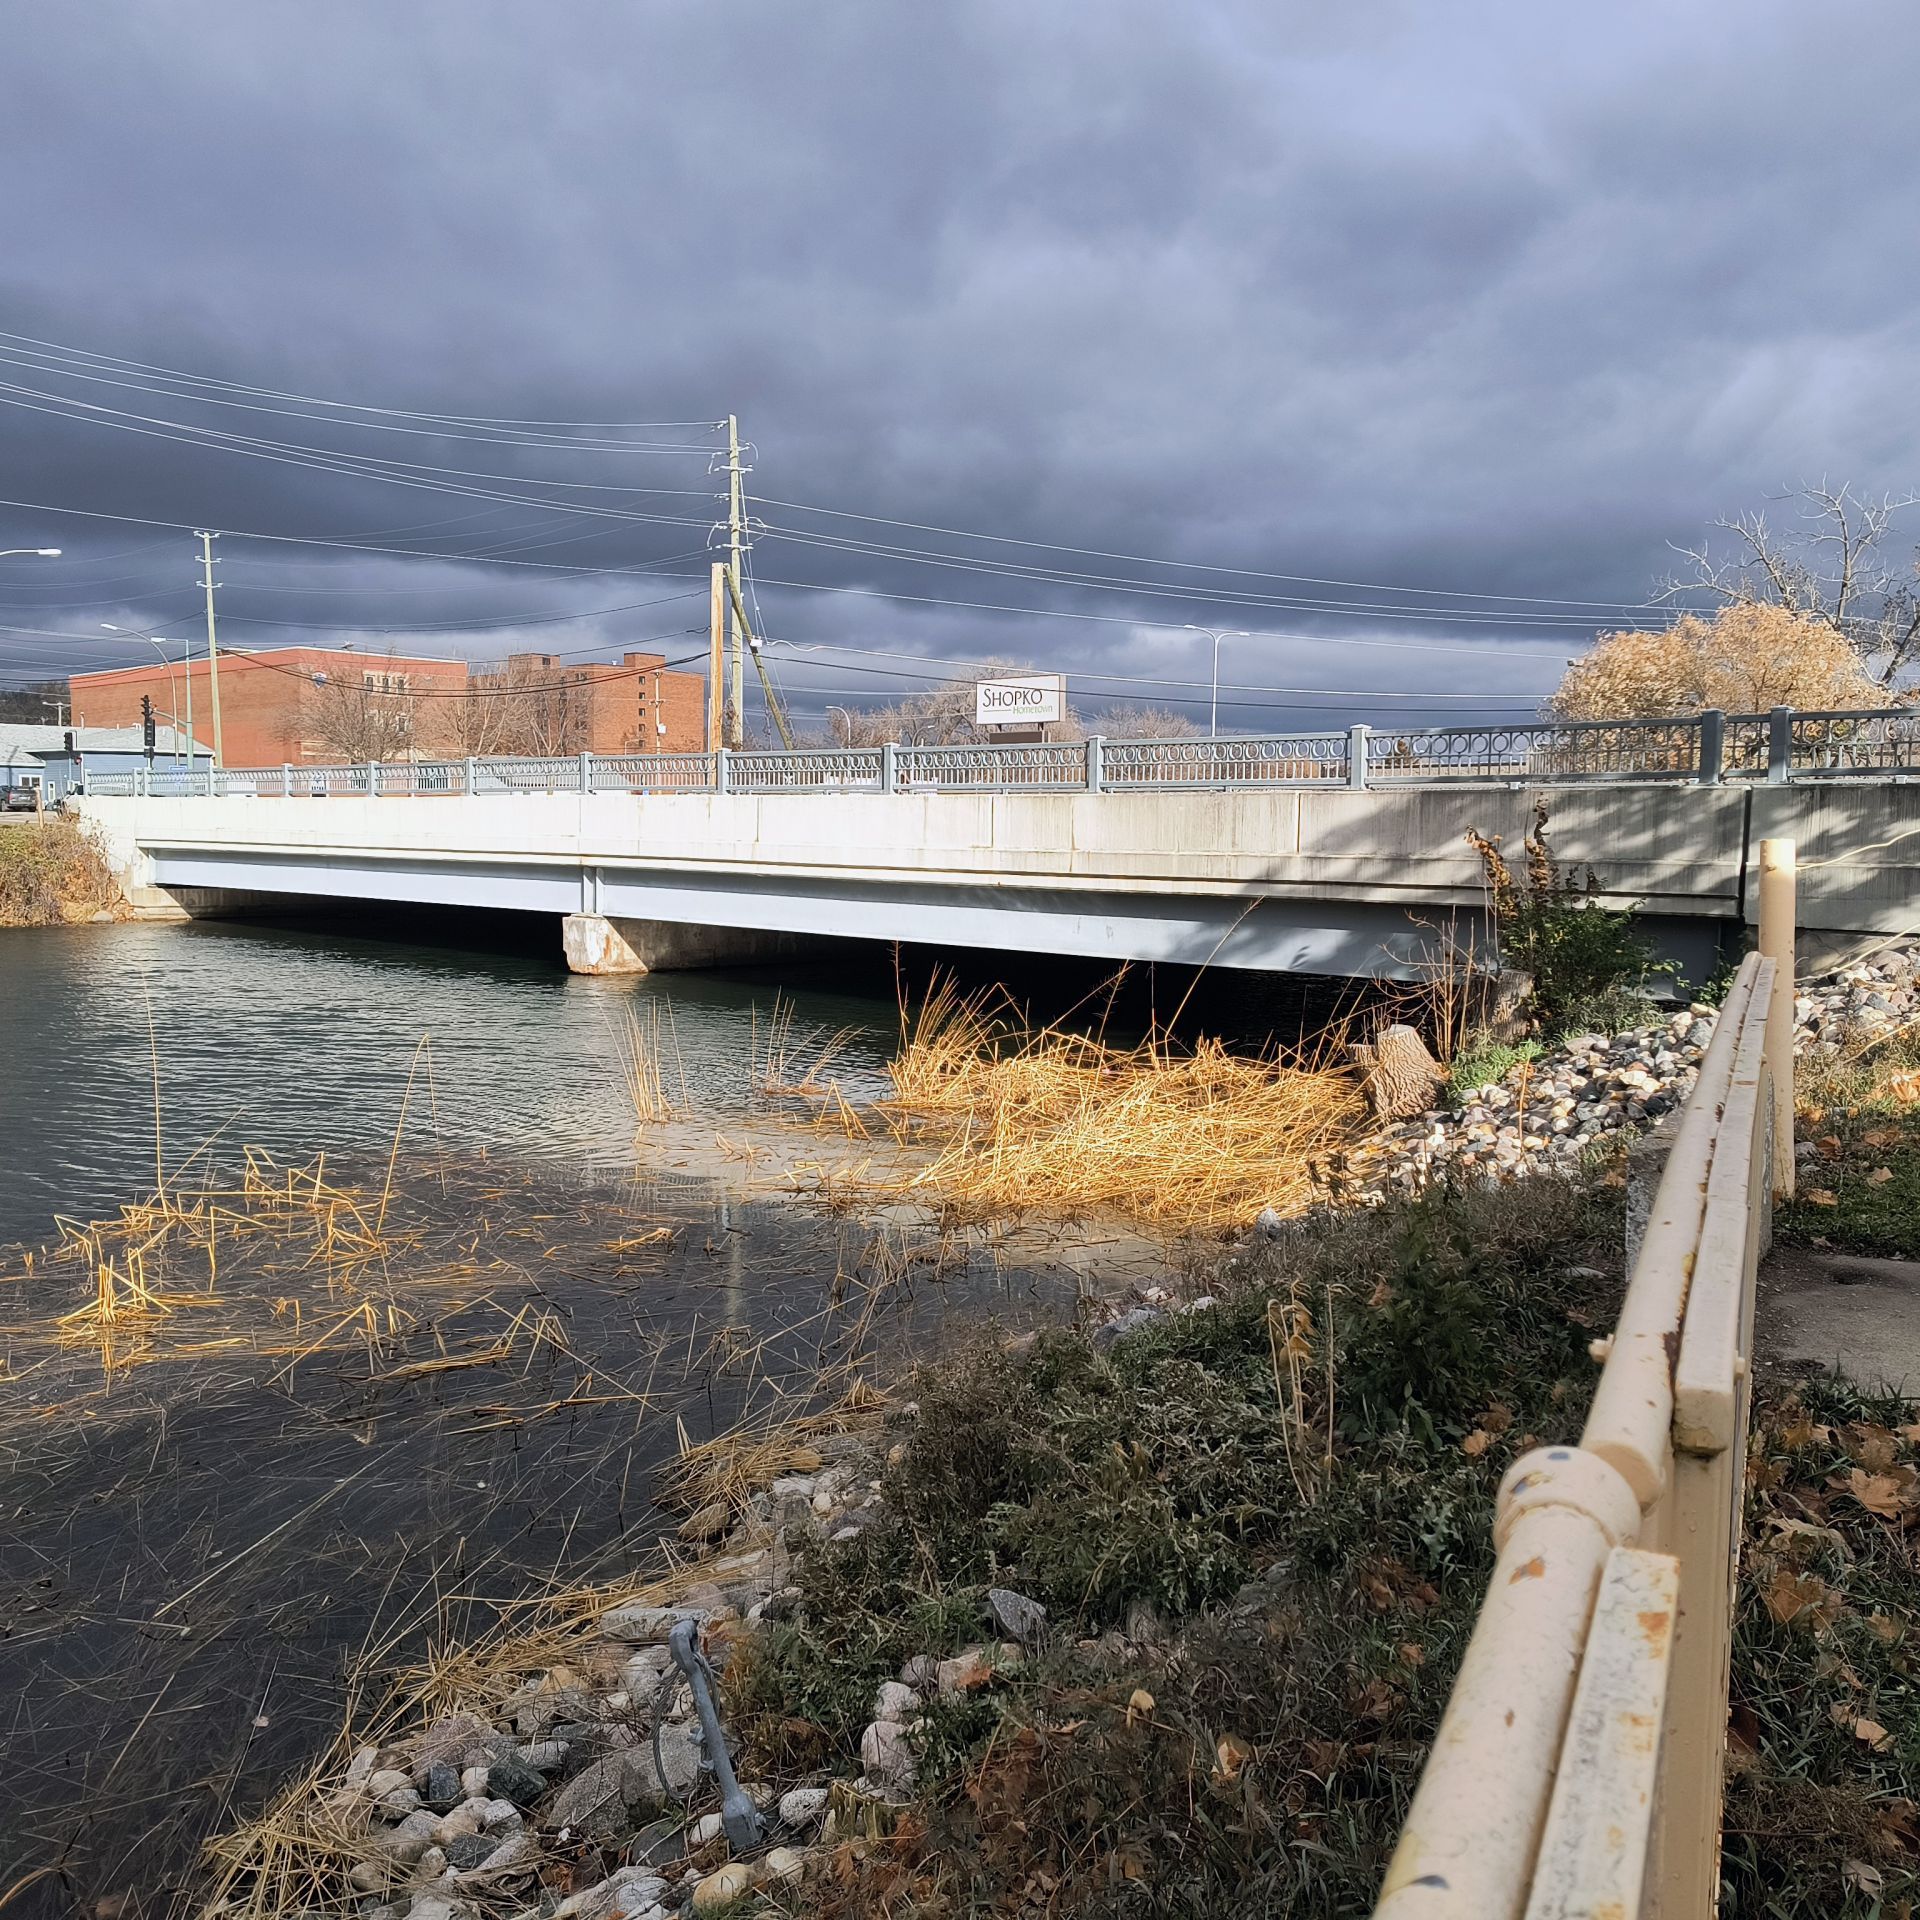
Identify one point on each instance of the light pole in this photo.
(107, 626)
(39, 553)
(1216, 635)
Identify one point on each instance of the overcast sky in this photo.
(1466, 302)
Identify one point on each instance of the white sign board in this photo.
(1032, 700)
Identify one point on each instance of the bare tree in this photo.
(1145, 723)
(1825, 566)
(526, 706)
(369, 718)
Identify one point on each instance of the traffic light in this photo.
(146, 725)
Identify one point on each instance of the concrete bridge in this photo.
(1324, 878)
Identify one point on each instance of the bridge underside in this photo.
(1223, 929)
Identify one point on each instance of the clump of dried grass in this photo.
(1058, 1122)
(642, 1048)
(716, 1479)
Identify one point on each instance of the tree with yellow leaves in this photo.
(1748, 657)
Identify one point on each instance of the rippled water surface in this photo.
(207, 1518)
(295, 1039)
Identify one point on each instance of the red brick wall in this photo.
(267, 699)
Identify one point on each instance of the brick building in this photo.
(635, 705)
(281, 704)
(319, 704)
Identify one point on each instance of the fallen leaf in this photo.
(1793, 1596)
(1820, 1197)
(1497, 1418)
(1880, 1136)
(1873, 1447)
(1857, 1874)
(1911, 1435)
(1871, 1733)
(1412, 1653)
(1884, 1627)
(1476, 1443)
(1139, 1706)
(1828, 1146)
(1879, 1176)
(1887, 1494)
(1231, 1754)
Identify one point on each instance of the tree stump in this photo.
(1400, 1077)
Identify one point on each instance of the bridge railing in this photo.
(1578, 1766)
(1708, 748)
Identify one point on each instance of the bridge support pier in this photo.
(596, 944)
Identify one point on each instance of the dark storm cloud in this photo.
(1479, 299)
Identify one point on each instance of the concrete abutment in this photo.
(598, 943)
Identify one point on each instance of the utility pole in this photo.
(736, 536)
(716, 657)
(213, 647)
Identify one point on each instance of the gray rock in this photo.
(802, 1807)
(543, 1756)
(438, 1906)
(468, 1850)
(886, 1757)
(1018, 1617)
(647, 1626)
(442, 1786)
(514, 1855)
(629, 1891)
(405, 1843)
(682, 1754)
(895, 1701)
(512, 1779)
(658, 1842)
(594, 1800)
(1132, 1321)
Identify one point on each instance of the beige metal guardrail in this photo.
(1578, 1768)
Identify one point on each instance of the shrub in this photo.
(1589, 963)
(50, 873)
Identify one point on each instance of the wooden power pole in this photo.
(736, 536)
(717, 657)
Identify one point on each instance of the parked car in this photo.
(19, 799)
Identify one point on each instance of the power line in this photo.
(115, 361)
(1155, 590)
(1195, 566)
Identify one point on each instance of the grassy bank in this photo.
(1261, 1533)
(51, 874)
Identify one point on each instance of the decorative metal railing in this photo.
(1032, 769)
(1263, 760)
(846, 770)
(1708, 748)
(1565, 750)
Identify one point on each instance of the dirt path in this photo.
(1850, 1311)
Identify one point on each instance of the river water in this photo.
(306, 1464)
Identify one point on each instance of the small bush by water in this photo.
(52, 873)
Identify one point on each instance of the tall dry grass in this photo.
(1058, 1122)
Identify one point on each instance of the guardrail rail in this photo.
(1578, 1767)
(1708, 749)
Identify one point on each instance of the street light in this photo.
(107, 626)
(1216, 635)
(40, 553)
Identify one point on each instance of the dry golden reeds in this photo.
(641, 1049)
(1061, 1123)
